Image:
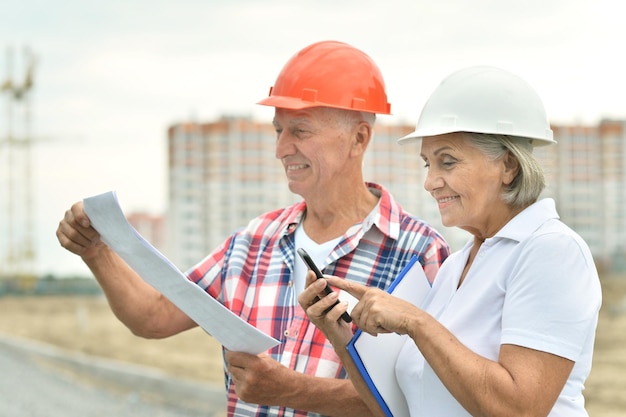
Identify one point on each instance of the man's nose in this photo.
(285, 145)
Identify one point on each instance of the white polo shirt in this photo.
(533, 284)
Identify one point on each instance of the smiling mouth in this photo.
(296, 167)
(446, 199)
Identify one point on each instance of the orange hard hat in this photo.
(330, 74)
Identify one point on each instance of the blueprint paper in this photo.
(230, 330)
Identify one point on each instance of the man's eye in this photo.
(301, 133)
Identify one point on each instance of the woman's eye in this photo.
(448, 162)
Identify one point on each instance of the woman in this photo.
(509, 324)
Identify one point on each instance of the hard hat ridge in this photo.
(484, 99)
(330, 74)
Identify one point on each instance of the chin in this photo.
(448, 222)
(293, 187)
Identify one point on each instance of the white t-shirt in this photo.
(533, 284)
(318, 252)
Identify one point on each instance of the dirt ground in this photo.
(87, 325)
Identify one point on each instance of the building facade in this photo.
(586, 174)
(223, 173)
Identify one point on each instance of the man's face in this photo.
(314, 147)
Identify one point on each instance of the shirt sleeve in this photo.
(206, 272)
(552, 296)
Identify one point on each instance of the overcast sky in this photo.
(112, 76)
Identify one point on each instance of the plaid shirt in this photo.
(251, 274)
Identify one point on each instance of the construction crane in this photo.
(17, 249)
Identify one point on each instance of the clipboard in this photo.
(375, 357)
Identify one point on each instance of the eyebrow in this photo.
(293, 122)
(439, 150)
(443, 148)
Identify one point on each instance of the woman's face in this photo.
(467, 184)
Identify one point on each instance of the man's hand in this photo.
(258, 379)
(76, 234)
(322, 311)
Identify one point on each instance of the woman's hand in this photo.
(377, 311)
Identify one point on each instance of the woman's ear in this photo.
(511, 168)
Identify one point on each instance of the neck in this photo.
(329, 218)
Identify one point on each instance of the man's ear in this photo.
(362, 137)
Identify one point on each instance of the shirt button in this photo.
(286, 333)
(290, 283)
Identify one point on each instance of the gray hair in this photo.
(526, 187)
(349, 118)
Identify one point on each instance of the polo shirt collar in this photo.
(529, 220)
(385, 216)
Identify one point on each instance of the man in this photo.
(325, 100)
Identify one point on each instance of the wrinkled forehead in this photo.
(284, 117)
(453, 141)
(326, 115)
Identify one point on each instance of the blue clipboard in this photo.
(375, 357)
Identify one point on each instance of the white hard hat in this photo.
(484, 99)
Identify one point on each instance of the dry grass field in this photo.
(85, 324)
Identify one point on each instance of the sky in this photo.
(111, 76)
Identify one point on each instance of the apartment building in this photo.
(586, 175)
(612, 138)
(223, 173)
(150, 226)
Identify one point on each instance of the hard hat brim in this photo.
(288, 103)
(419, 134)
(292, 103)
